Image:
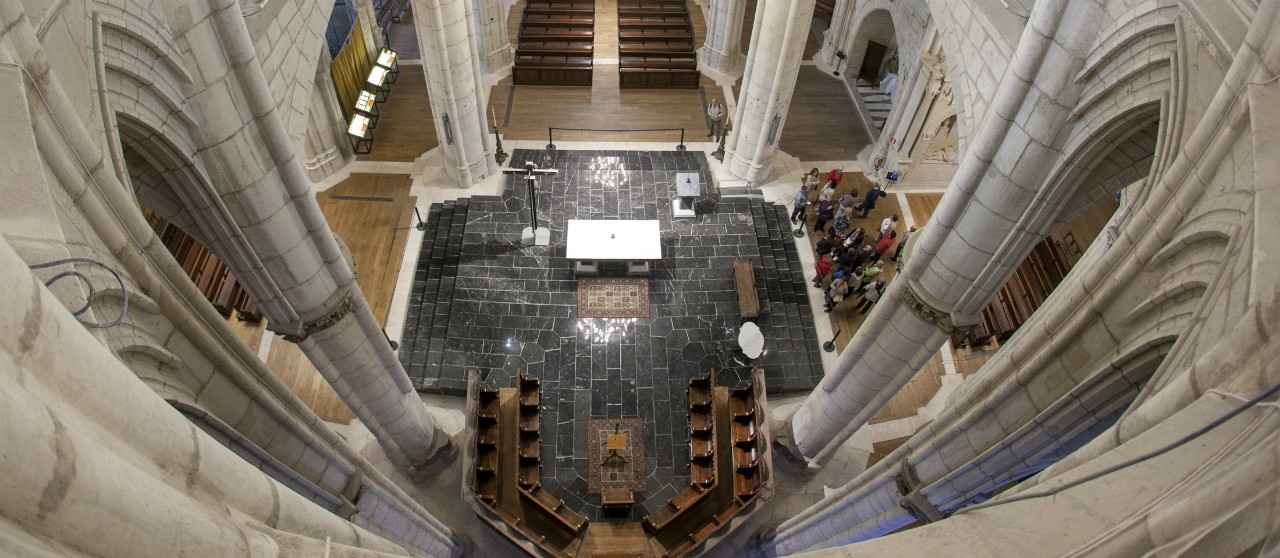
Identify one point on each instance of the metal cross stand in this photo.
(533, 235)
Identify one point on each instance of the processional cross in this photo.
(532, 235)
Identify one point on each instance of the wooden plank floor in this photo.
(405, 129)
(822, 124)
(922, 207)
(372, 215)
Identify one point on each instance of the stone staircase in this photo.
(422, 345)
(876, 103)
(793, 363)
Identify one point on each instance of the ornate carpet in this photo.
(627, 472)
(613, 298)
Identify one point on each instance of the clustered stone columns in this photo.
(454, 83)
(495, 43)
(277, 236)
(119, 470)
(325, 144)
(720, 57)
(773, 63)
(834, 38)
(989, 220)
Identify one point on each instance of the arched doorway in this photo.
(872, 66)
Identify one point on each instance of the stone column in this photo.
(373, 37)
(773, 62)
(459, 98)
(720, 57)
(494, 42)
(833, 39)
(990, 219)
(274, 236)
(325, 146)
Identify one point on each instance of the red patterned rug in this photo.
(625, 468)
(613, 298)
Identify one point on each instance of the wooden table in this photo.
(615, 442)
(590, 242)
(616, 497)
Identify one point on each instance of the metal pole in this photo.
(533, 203)
(551, 144)
(422, 225)
(681, 147)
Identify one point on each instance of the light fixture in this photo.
(361, 141)
(387, 58)
(378, 76)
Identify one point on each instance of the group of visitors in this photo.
(848, 258)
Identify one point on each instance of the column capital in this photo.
(927, 312)
(302, 331)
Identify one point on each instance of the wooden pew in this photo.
(744, 433)
(488, 408)
(654, 22)
(702, 449)
(700, 422)
(683, 502)
(541, 32)
(559, 7)
(745, 281)
(702, 474)
(645, 47)
(658, 33)
(555, 509)
(565, 20)
(700, 392)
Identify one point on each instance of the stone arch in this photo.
(1120, 152)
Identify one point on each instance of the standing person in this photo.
(834, 177)
(897, 254)
(810, 179)
(802, 202)
(828, 191)
(869, 201)
(870, 294)
(825, 211)
(822, 269)
(885, 245)
(887, 225)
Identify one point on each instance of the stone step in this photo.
(416, 335)
(436, 379)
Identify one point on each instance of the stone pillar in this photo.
(279, 242)
(459, 98)
(373, 37)
(325, 146)
(67, 454)
(833, 39)
(720, 57)
(990, 219)
(773, 62)
(496, 52)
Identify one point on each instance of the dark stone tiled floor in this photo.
(482, 300)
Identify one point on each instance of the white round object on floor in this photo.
(751, 340)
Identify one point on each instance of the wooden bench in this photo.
(658, 78)
(555, 509)
(488, 408)
(677, 506)
(487, 489)
(745, 459)
(700, 422)
(654, 22)
(563, 20)
(666, 61)
(650, 10)
(530, 475)
(702, 449)
(658, 33)
(543, 7)
(616, 497)
(541, 32)
(745, 280)
(746, 484)
(654, 46)
(561, 47)
(744, 434)
(702, 474)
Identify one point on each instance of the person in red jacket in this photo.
(885, 245)
(823, 268)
